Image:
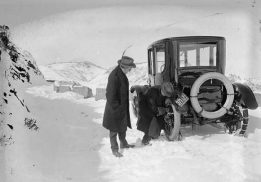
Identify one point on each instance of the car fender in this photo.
(245, 96)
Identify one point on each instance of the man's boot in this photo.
(146, 139)
(117, 153)
(123, 141)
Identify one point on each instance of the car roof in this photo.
(186, 38)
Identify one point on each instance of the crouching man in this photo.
(152, 110)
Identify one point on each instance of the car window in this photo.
(150, 65)
(160, 58)
(197, 54)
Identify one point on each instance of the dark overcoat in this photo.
(116, 115)
(148, 108)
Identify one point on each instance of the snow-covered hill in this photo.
(89, 74)
(81, 71)
(18, 71)
(137, 76)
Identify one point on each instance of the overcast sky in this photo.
(99, 30)
(15, 12)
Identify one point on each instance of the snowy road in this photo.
(71, 145)
(66, 146)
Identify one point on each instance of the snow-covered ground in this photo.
(72, 145)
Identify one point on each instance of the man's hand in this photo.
(168, 102)
(161, 111)
(132, 89)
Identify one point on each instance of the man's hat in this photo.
(167, 89)
(126, 62)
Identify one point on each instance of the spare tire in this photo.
(195, 91)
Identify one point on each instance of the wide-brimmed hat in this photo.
(126, 62)
(167, 89)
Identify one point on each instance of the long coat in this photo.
(116, 115)
(148, 106)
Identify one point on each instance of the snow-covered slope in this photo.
(18, 71)
(89, 74)
(137, 76)
(81, 71)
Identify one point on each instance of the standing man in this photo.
(116, 115)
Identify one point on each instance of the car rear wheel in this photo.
(237, 122)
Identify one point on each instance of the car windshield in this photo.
(197, 54)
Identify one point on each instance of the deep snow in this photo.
(71, 145)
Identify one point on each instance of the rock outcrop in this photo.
(18, 70)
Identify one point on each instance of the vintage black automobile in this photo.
(195, 65)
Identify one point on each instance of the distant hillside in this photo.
(94, 76)
(90, 74)
(81, 72)
(137, 76)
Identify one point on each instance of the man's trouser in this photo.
(113, 140)
(155, 128)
